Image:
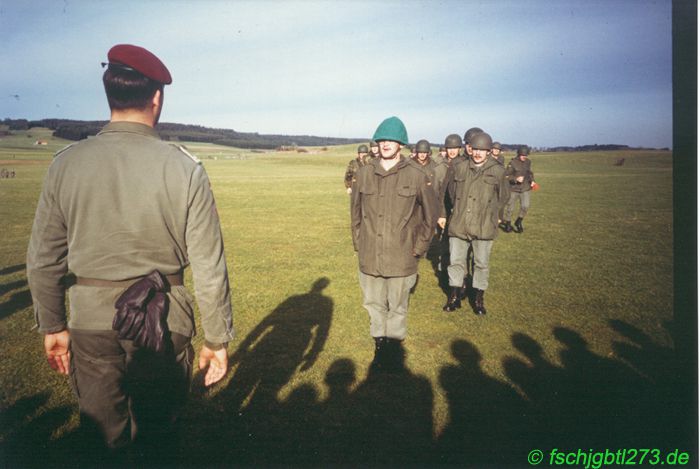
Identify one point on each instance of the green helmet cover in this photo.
(470, 133)
(453, 141)
(481, 141)
(423, 146)
(392, 129)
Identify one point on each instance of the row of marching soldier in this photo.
(398, 204)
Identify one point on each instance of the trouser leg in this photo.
(510, 206)
(482, 252)
(524, 203)
(386, 301)
(457, 269)
(398, 292)
(130, 393)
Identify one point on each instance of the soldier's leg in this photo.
(158, 386)
(457, 269)
(510, 206)
(98, 367)
(374, 300)
(398, 289)
(524, 203)
(482, 252)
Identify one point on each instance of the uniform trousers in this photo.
(524, 198)
(386, 301)
(127, 392)
(458, 269)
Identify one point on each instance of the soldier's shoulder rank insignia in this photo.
(190, 155)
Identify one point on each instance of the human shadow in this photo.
(286, 341)
(590, 401)
(27, 429)
(488, 420)
(12, 269)
(12, 286)
(17, 302)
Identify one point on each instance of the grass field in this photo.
(575, 352)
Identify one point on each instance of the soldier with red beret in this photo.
(126, 213)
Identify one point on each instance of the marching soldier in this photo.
(354, 165)
(436, 171)
(373, 149)
(113, 209)
(393, 213)
(496, 153)
(521, 180)
(477, 189)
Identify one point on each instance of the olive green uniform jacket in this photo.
(115, 207)
(393, 214)
(477, 194)
(436, 172)
(517, 168)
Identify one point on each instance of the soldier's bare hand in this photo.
(216, 360)
(57, 351)
(520, 178)
(442, 222)
(349, 190)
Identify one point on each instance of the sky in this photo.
(540, 72)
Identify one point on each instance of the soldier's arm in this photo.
(349, 174)
(205, 249)
(503, 191)
(47, 262)
(429, 207)
(355, 216)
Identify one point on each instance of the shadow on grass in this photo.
(17, 302)
(12, 269)
(12, 286)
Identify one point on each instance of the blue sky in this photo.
(545, 73)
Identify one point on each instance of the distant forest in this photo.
(78, 130)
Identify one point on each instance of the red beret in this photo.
(140, 60)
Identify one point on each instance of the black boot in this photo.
(453, 301)
(519, 225)
(464, 289)
(479, 307)
(378, 363)
(505, 226)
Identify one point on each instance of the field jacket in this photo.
(392, 218)
(517, 168)
(477, 194)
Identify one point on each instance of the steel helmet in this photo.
(362, 149)
(523, 150)
(453, 141)
(496, 145)
(470, 133)
(423, 146)
(392, 129)
(481, 141)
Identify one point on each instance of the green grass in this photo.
(580, 309)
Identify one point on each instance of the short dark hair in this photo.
(128, 89)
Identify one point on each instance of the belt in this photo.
(173, 279)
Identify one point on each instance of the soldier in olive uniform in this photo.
(496, 153)
(373, 149)
(354, 165)
(467, 139)
(393, 213)
(435, 170)
(477, 189)
(442, 153)
(521, 180)
(453, 147)
(114, 208)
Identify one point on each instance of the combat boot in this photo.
(505, 226)
(378, 363)
(479, 307)
(464, 290)
(519, 225)
(453, 301)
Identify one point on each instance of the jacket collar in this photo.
(130, 127)
(378, 169)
